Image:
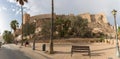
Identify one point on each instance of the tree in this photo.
(14, 25)
(65, 27)
(21, 2)
(7, 36)
(46, 29)
(28, 30)
(62, 26)
(79, 26)
(118, 29)
(119, 32)
(58, 25)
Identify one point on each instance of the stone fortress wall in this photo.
(98, 22)
(26, 18)
(100, 17)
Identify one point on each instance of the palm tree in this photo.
(21, 2)
(51, 37)
(14, 25)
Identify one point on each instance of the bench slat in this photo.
(80, 46)
(81, 49)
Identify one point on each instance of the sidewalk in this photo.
(62, 51)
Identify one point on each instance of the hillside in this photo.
(98, 23)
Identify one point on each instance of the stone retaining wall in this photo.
(112, 41)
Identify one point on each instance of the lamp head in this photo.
(114, 12)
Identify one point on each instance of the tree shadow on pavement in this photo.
(103, 49)
(94, 54)
(62, 52)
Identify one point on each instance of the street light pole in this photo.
(34, 35)
(117, 44)
(22, 24)
(51, 33)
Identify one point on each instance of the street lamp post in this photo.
(35, 37)
(117, 44)
(22, 24)
(51, 34)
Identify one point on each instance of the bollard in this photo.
(44, 47)
(0, 44)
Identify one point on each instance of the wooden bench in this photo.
(81, 49)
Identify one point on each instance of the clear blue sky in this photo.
(10, 10)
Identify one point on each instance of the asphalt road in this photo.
(10, 52)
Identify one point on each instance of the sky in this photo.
(10, 9)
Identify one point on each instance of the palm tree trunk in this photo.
(22, 24)
(51, 37)
(34, 44)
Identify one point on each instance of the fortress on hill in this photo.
(98, 18)
(97, 22)
(101, 17)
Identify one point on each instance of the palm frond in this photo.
(21, 2)
(26, 1)
(17, 0)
